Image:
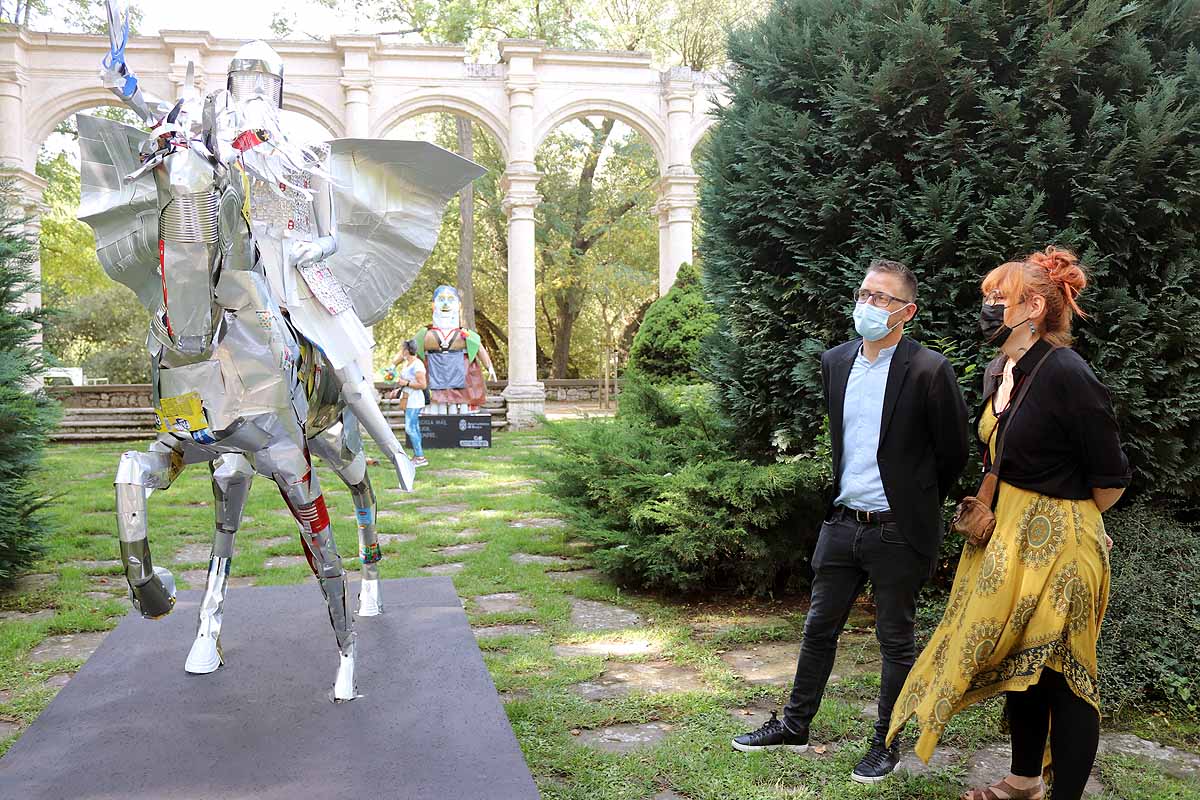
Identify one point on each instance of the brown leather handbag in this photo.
(974, 518)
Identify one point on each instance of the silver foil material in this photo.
(389, 196)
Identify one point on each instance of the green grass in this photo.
(695, 760)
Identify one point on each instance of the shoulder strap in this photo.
(1012, 410)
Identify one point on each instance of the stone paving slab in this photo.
(625, 738)
(496, 631)
(608, 648)
(27, 616)
(461, 549)
(573, 574)
(620, 679)
(538, 522)
(68, 645)
(444, 569)
(449, 508)
(593, 615)
(531, 558)
(429, 723)
(501, 602)
(192, 553)
(1178, 763)
(473, 474)
(396, 538)
(284, 561)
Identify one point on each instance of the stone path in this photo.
(624, 738)
(620, 679)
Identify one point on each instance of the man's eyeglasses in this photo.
(878, 299)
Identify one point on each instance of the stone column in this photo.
(358, 106)
(677, 188)
(665, 276)
(678, 198)
(12, 128)
(356, 82)
(526, 396)
(28, 204)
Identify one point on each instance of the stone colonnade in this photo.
(363, 86)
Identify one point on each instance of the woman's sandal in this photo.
(1010, 792)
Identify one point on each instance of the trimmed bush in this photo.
(1150, 642)
(669, 508)
(667, 345)
(952, 137)
(26, 417)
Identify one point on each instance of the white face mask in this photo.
(871, 322)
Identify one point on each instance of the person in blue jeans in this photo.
(412, 383)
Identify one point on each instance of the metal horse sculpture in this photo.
(235, 383)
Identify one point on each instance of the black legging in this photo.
(1074, 736)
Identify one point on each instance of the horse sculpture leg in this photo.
(359, 394)
(298, 484)
(151, 588)
(340, 446)
(231, 477)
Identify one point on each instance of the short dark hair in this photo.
(411, 346)
(896, 268)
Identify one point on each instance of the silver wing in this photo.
(123, 213)
(389, 198)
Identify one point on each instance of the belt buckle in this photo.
(862, 516)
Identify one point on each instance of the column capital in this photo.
(357, 79)
(678, 190)
(513, 48)
(12, 72)
(178, 76)
(29, 186)
(520, 192)
(199, 41)
(679, 83)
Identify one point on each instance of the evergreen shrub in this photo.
(952, 137)
(670, 508)
(1149, 647)
(26, 417)
(667, 345)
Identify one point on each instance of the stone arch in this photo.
(646, 124)
(46, 115)
(703, 126)
(293, 100)
(450, 104)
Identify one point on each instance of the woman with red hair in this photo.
(1026, 606)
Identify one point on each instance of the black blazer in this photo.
(923, 444)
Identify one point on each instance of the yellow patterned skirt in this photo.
(1033, 597)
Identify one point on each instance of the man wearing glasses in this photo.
(898, 426)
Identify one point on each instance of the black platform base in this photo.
(133, 724)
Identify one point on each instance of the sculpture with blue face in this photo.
(447, 308)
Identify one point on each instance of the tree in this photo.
(953, 137)
(27, 416)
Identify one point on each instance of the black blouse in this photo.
(1064, 440)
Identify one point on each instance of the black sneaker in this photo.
(879, 762)
(771, 736)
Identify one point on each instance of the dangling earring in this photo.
(1032, 329)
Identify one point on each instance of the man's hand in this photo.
(305, 253)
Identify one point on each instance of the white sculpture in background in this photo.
(452, 357)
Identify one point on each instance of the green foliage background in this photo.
(952, 137)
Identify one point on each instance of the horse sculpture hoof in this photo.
(154, 597)
(406, 471)
(205, 656)
(343, 685)
(369, 602)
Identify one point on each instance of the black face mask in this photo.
(991, 324)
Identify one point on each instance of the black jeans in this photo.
(847, 554)
(1074, 736)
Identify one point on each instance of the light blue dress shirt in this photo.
(862, 416)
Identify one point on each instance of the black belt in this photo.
(865, 517)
